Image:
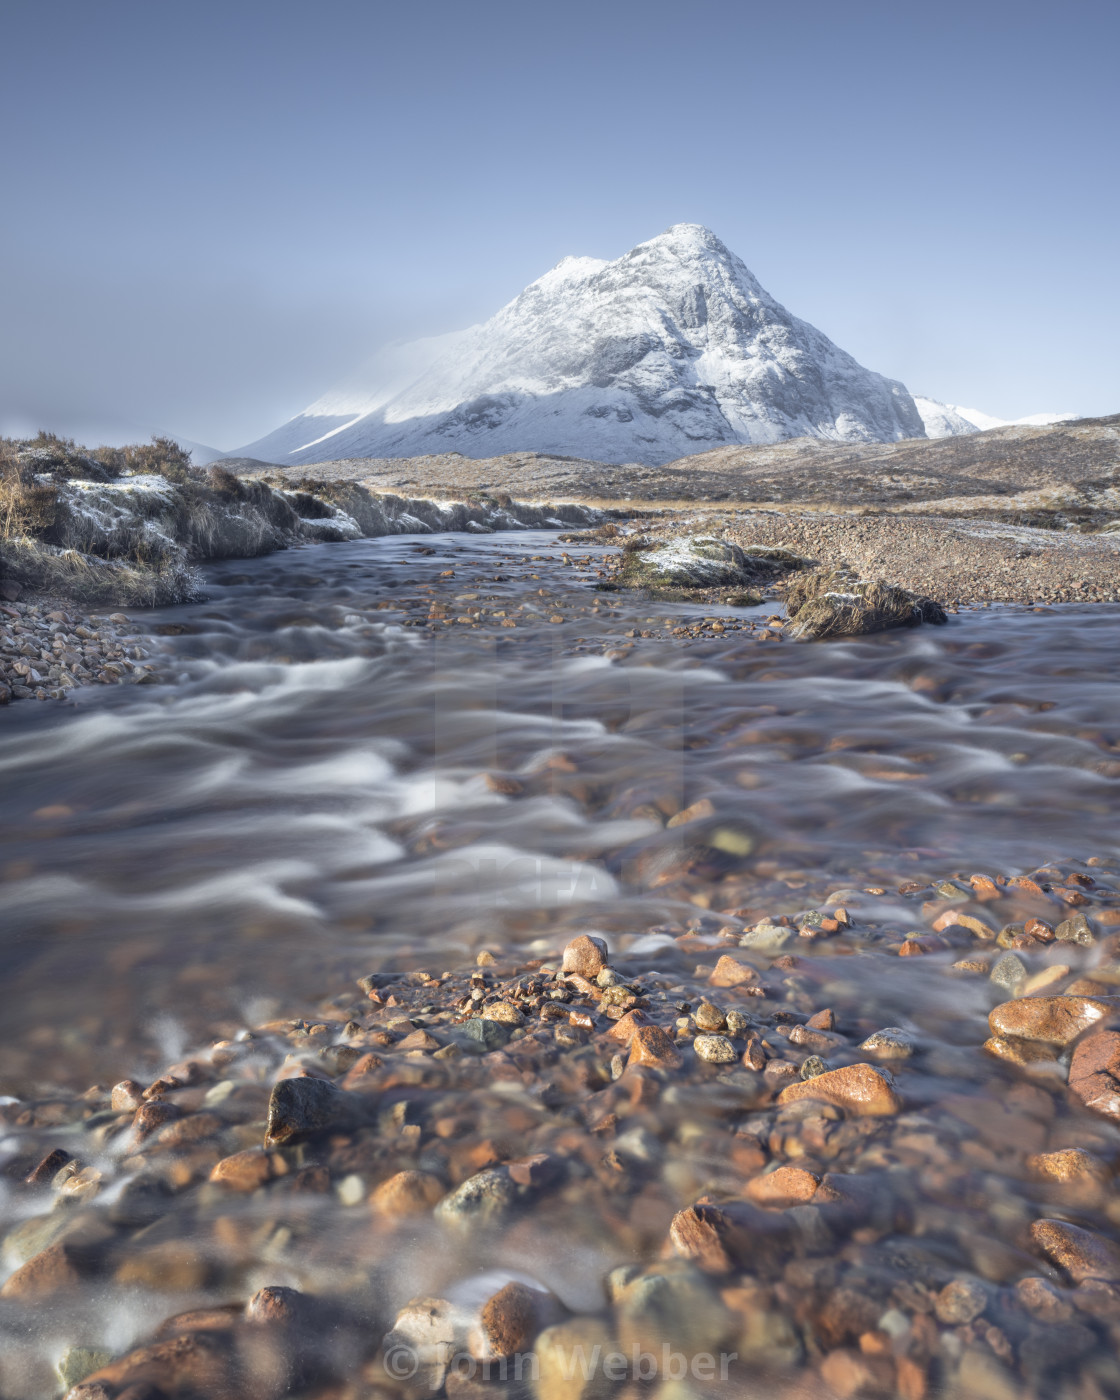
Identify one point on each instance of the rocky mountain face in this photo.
(670, 350)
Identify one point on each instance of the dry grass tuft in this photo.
(833, 603)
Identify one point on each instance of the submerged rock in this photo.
(483, 1199)
(1054, 1020)
(1094, 1073)
(1082, 1254)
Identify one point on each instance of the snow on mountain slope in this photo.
(949, 419)
(672, 349)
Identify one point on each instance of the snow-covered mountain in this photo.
(950, 420)
(672, 349)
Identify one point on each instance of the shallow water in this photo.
(324, 792)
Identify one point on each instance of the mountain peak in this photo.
(671, 349)
(688, 238)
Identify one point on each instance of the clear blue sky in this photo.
(213, 211)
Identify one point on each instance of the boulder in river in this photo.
(698, 561)
(833, 603)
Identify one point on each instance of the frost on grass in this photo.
(696, 562)
(127, 525)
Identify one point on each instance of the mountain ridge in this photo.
(672, 349)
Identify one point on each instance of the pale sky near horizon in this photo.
(213, 212)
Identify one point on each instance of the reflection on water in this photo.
(329, 789)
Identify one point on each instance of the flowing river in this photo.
(405, 756)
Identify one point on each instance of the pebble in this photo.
(486, 1033)
(245, 1171)
(708, 1017)
(52, 1269)
(48, 1168)
(1008, 971)
(891, 1043)
(127, 1096)
(510, 1320)
(483, 1199)
(407, 1193)
(301, 1106)
(649, 1045)
(961, 1301)
(1042, 1300)
(786, 1186)
(556, 1377)
(586, 955)
(715, 1049)
(76, 1363)
(766, 938)
(505, 1012)
(1068, 1165)
(1075, 929)
(729, 972)
(625, 1028)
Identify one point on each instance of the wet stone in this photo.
(1075, 929)
(1056, 1020)
(76, 1363)
(302, 1106)
(586, 955)
(891, 1043)
(48, 1168)
(715, 1049)
(244, 1171)
(1094, 1073)
(862, 1089)
(483, 1199)
(504, 1012)
(708, 1017)
(47, 1272)
(650, 1046)
(557, 1379)
(960, 1301)
(766, 938)
(1070, 1165)
(1043, 1300)
(407, 1193)
(728, 972)
(485, 1034)
(1082, 1254)
(510, 1320)
(786, 1186)
(1008, 971)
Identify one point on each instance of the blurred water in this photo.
(324, 790)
